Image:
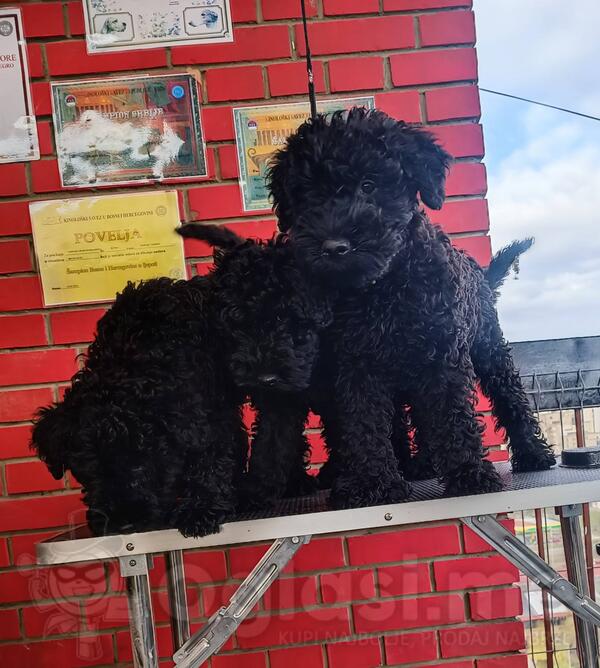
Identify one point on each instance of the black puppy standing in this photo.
(415, 319)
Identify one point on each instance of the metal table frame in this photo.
(561, 488)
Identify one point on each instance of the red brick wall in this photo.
(402, 597)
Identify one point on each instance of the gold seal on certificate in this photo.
(87, 249)
(18, 130)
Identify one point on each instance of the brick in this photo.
(482, 639)
(228, 162)
(45, 176)
(291, 78)
(42, 102)
(356, 74)
(353, 35)
(20, 405)
(479, 248)
(15, 256)
(466, 178)
(212, 202)
(473, 543)
(474, 572)
(216, 597)
(205, 566)
(247, 660)
(35, 61)
(290, 593)
(9, 625)
(235, 83)
(447, 28)
(405, 579)
(453, 102)
(15, 586)
(12, 180)
(430, 67)
(25, 477)
(497, 455)
(108, 612)
(72, 652)
(74, 326)
(403, 545)
(453, 664)
(365, 653)
(470, 215)
(243, 11)
(218, 123)
(495, 603)
(75, 16)
(286, 9)
(408, 613)
(514, 661)
(43, 19)
(41, 512)
(405, 5)
(44, 366)
(253, 43)
(42, 621)
(307, 657)
(14, 218)
(14, 442)
(490, 435)
(71, 57)
(460, 141)
(317, 448)
(23, 546)
(4, 556)
(401, 105)
(22, 331)
(293, 628)
(335, 7)
(411, 647)
(347, 586)
(45, 137)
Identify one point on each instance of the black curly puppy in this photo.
(415, 320)
(152, 427)
(274, 318)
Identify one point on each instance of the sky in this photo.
(544, 165)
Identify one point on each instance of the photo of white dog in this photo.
(204, 19)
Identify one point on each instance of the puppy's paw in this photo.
(353, 491)
(302, 485)
(537, 456)
(480, 479)
(419, 468)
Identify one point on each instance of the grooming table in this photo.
(294, 521)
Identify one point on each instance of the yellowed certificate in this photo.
(88, 248)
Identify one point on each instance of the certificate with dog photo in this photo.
(128, 130)
(123, 25)
(261, 131)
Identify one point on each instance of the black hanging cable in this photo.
(309, 68)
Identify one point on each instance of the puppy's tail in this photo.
(51, 437)
(504, 259)
(215, 235)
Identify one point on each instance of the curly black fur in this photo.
(414, 320)
(152, 427)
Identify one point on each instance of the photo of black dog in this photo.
(152, 425)
(415, 321)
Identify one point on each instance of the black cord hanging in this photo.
(309, 68)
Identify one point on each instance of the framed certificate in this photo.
(18, 130)
(121, 25)
(128, 130)
(88, 248)
(260, 131)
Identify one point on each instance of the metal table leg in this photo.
(209, 639)
(535, 568)
(134, 569)
(178, 606)
(585, 632)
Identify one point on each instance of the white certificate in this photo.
(18, 131)
(121, 25)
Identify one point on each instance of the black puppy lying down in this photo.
(152, 426)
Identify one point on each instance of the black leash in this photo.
(309, 68)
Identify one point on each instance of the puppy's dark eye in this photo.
(300, 338)
(367, 187)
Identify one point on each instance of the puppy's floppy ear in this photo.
(427, 164)
(277, 177)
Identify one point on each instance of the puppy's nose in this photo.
(269, 379)
(335, 247)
